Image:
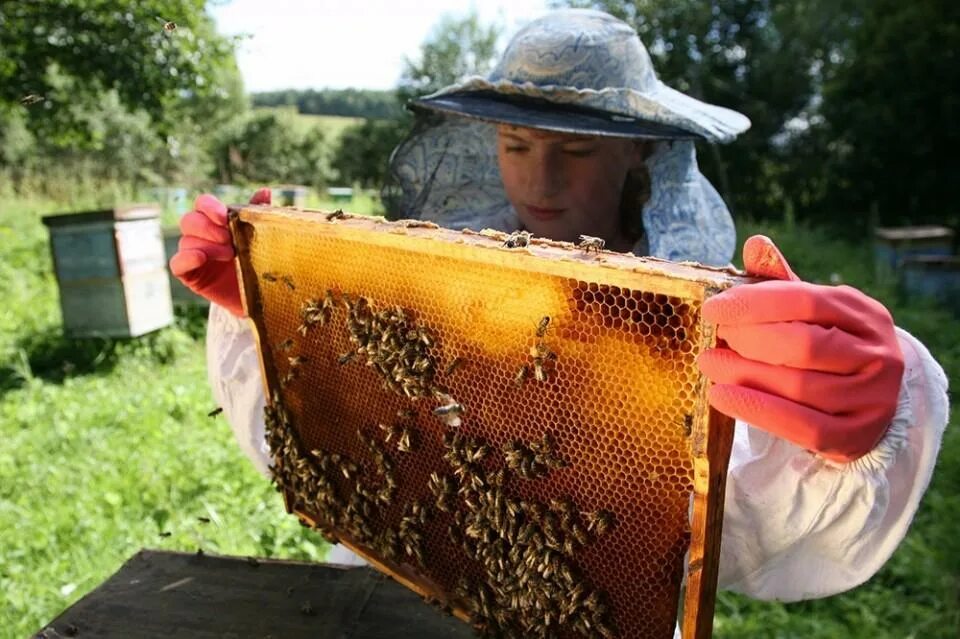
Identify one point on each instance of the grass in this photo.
(107, 444)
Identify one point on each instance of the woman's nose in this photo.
(546, 176)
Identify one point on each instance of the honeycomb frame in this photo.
(483, 335)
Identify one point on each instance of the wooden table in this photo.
(172, 595)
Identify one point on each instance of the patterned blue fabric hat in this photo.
(579, 71)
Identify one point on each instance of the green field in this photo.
(107, 444)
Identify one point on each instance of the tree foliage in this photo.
(456, 47)
(109, 79)
(270, 146)
(355, 103)
(892, 109)
(853, 102)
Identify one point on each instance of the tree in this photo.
(270, 146)
(162, 57)
(456, 48)
(891, 107)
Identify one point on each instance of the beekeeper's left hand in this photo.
(817, 365)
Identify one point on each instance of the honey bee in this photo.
(521, 375)
(539, 372)
(31, 98)
(336, 215)
(289, 282)
(168, 25)
(542, 326)
(451, 409)
(285, 345)
(518, 239)
(296, 361)
(346, 357)
(203, 520)
(454, 365)
(404, 443)
(406, 413)
(687, 424)
(269, 277)
(165, 533)
(216, 411)
(599, 521)
(588, 242)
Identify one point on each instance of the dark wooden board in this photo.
(172, 595)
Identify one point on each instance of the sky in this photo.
(337, 44)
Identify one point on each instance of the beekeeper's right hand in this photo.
(204, 261)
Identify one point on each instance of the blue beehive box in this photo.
(893, 245)
(111, 271)
(289, 195)
(933, 277)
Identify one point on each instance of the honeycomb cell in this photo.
(429, 421)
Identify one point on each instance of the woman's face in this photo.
(564, 185)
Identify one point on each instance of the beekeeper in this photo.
(839, 413)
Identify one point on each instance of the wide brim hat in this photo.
(584, 71)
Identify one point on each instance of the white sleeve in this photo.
(233, 368)
(797, 526)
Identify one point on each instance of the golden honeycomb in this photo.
(514, 428)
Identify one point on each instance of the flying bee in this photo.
(168, 25)
(203, 520)
(518, 239)
(165, 533)
(30, 99)
(588, 242)
(336, 215)
(216, 411)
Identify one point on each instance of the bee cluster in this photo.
(530, 583)
(527, 579)
(533, 460)
(394, 346)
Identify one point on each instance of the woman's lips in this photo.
(544, 214)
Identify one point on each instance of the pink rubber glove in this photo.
(204, 262)
(819, 366)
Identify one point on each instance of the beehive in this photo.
(516, 432)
